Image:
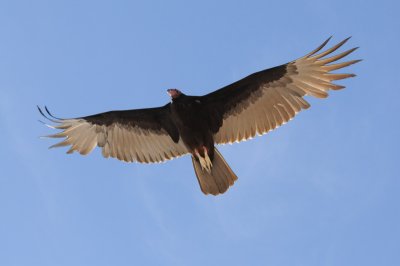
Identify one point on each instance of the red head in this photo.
(174, 93)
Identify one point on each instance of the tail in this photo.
(219, 179)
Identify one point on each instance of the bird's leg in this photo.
(205, 161)
(201, 159)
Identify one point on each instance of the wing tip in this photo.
(325, 43)
(348, 38)
(336, 87)
(318, 48)
(48, 116)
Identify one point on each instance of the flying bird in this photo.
(193, 125)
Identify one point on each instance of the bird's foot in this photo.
(205, 161)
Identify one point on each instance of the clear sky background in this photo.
(321, 190)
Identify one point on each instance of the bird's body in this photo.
(194, 124)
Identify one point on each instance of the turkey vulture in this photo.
(251, 106)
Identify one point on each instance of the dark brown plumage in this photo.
(194, 124)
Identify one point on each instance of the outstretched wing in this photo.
(142, 135)
(267, 99)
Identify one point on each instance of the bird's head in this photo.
(174, 93)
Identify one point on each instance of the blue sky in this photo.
(321, 190)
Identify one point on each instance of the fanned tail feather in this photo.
(219, 179)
